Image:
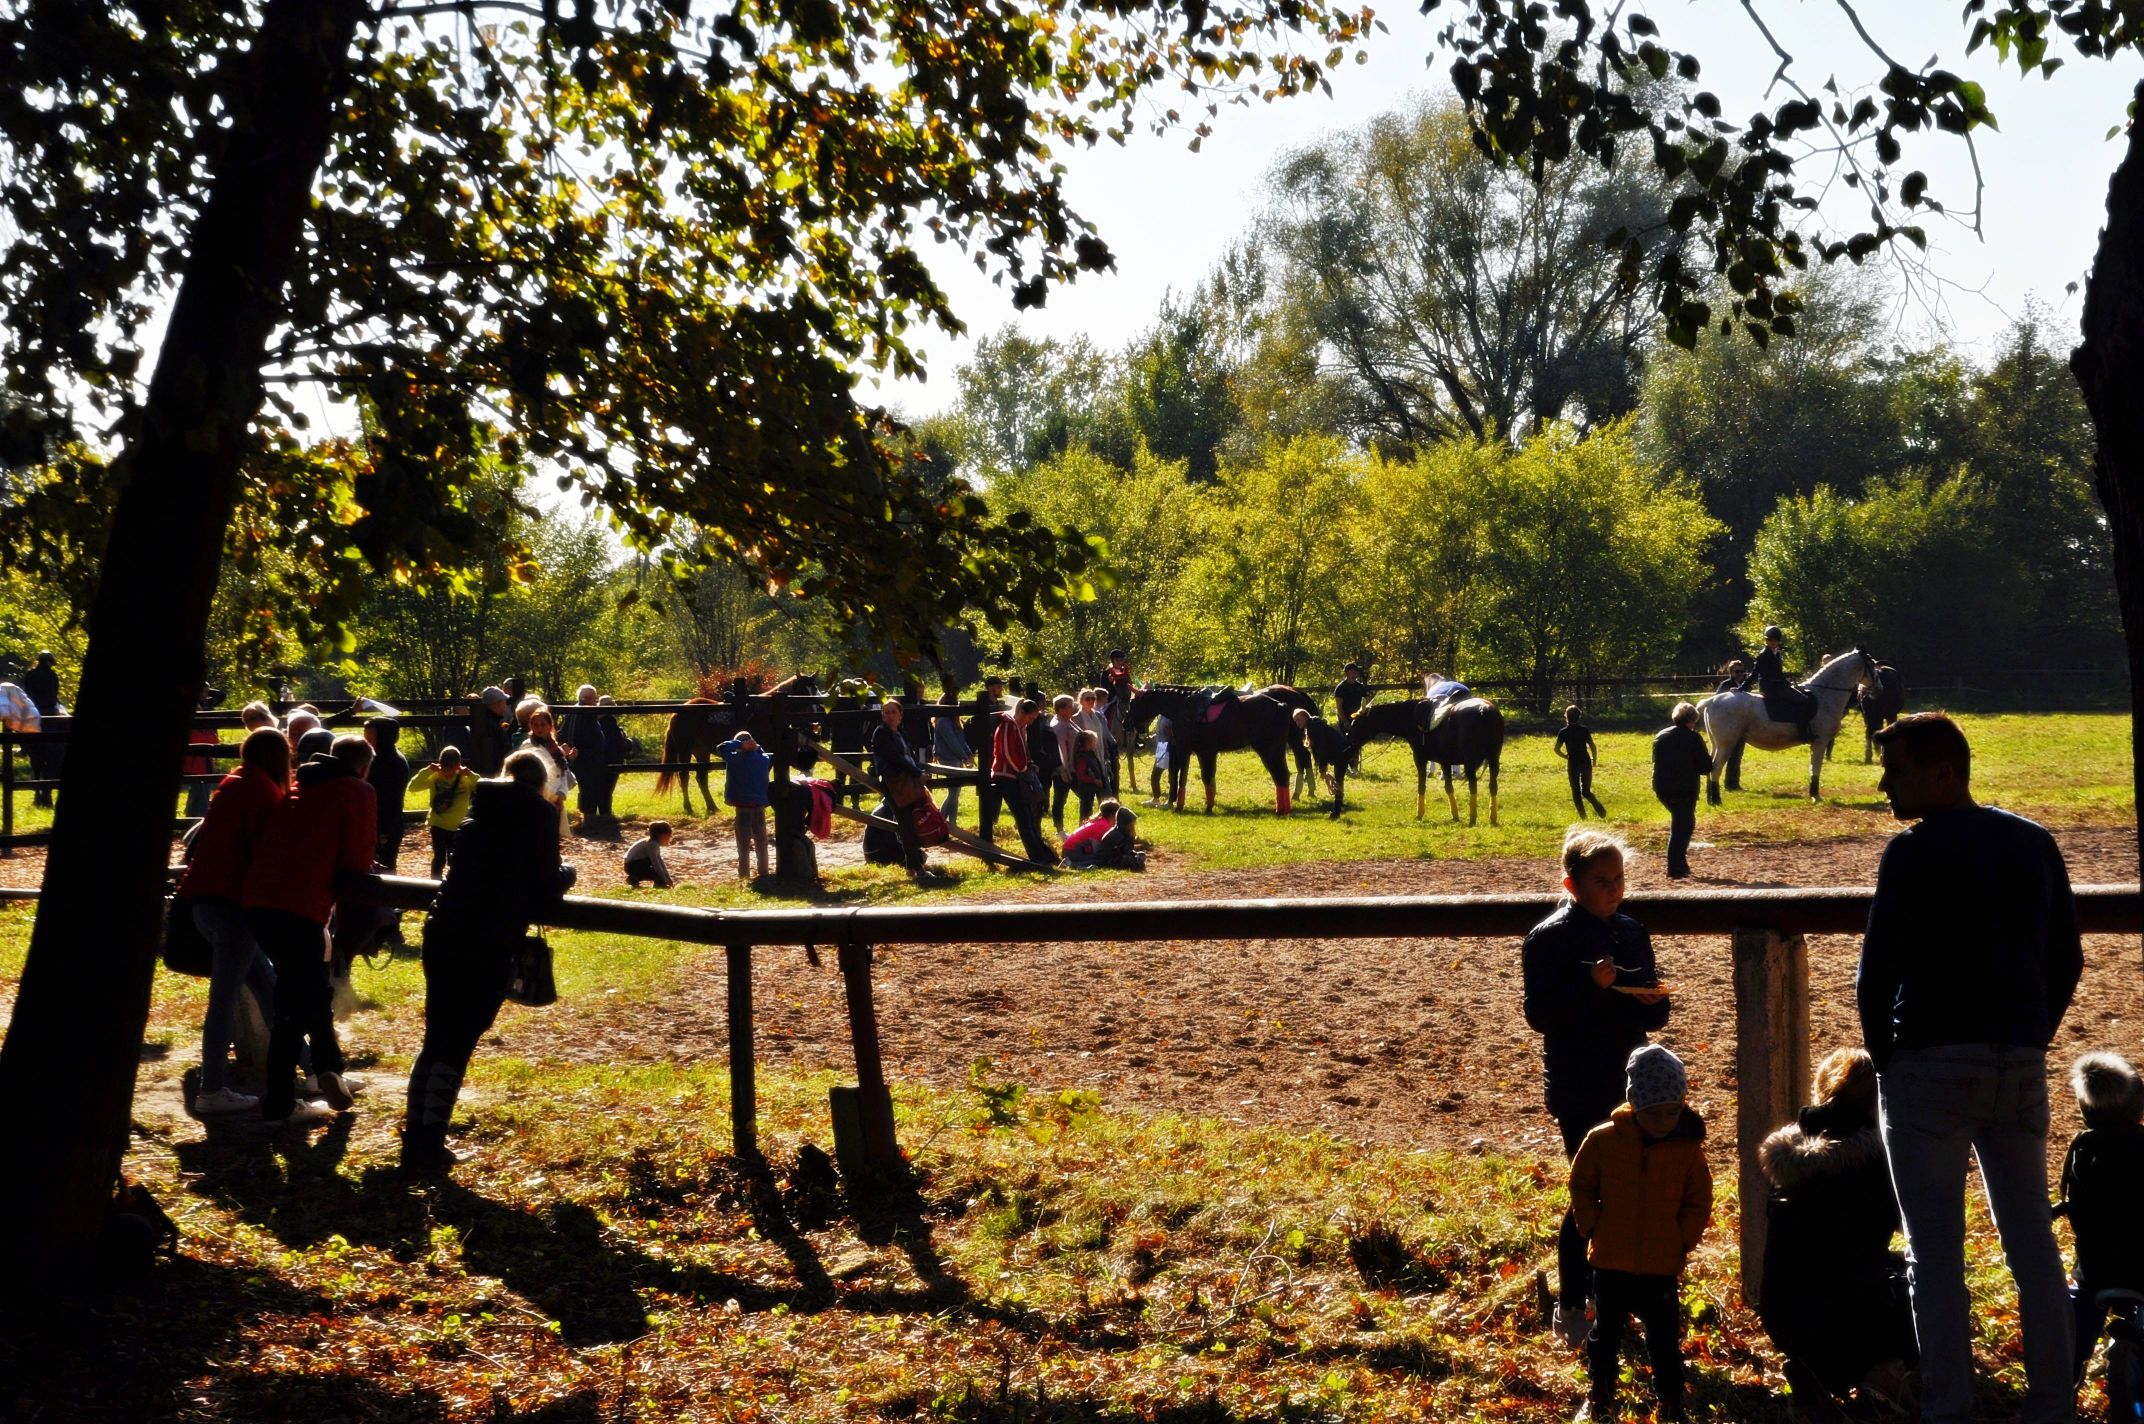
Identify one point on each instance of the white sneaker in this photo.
(224, 1100)
(1572, 1326)
(306, 1112)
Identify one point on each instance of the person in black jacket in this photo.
(41, 684)
(1680, 763)
(505, 873)
(1574, 743)
(1783, 701)
(390, 782)
(2103, 1190)
(981, 732)
(1592, 993)
(1834, 1298)
(895, 760)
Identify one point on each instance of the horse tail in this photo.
(678, 738)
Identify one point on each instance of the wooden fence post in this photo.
(1771, 1068)
(863, 1115)
(744, 1082)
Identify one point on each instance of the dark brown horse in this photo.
(1206, 723)
(704, 724)
(1469, 735)
(1880, 706)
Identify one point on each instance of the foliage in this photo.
(1147, 516)
(1455, 297)
(1414, 594)
(1915, 565)
(1593, 561)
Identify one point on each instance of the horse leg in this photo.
(1492, 790)
(1283, 803)
(1451, 798)
(1473, 796)
(1816, 768)
(1206, 774)
(706, 795)
(1421, 786)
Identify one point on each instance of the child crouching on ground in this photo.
(2103, 1190)
(1642, 1196)
(644, 861)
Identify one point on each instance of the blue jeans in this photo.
(238, 965)
(1939, 1104)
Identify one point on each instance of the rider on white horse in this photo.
(1783, 702)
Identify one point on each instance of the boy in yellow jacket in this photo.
(1641, 1194)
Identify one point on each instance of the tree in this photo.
(658, 240)
(1176, 388)
(1023, 401)
(1455, 297)
(1426, 525)
(1592, 559)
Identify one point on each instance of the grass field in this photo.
(1054, 1256)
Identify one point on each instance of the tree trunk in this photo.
(2106, 367)
(67, 1069)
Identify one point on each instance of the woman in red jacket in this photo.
(322, 830)
(231, 834)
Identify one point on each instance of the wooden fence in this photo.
(1765, 930)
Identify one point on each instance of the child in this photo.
(644, 862)
(447, 787)
(1573, 961)
(1161, 760)
(2102, 1190)
(1090, 774)
(744, 788)
(1575, 745)
(1105, 841)
(1642, 1195)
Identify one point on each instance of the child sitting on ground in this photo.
(644, 862)
(2103, 1189)
(1105, 842)
(1642, 1196)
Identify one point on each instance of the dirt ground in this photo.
(1402, 1041)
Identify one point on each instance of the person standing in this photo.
(505, 873)
(233, 829)
(581, 728)
(389, 775)
(981, 733)
(324, 831)
(1969, 962)
(950, 747)
(1013, 776)
(1592, 993)
(446, 786)
(1064, 734)
(41, 684)
(1680, 762)
(1574, 743)
(746, 771)
(485, 745)
(1349, 696)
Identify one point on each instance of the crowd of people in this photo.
(1970, 960)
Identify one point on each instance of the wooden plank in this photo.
(1771, 972)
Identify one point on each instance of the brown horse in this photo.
(1469, 736)
(704, 724)
(1204, 726)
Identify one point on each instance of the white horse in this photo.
(1732, 718)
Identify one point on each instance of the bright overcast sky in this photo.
(1168, 214)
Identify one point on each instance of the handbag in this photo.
(528, 975)
(905, 788)
(930, 824)
(186, 949)
(1029, 784)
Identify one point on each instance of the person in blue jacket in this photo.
(744, 789)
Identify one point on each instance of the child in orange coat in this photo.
(1641, 1194)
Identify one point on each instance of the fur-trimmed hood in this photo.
(1795, 1157)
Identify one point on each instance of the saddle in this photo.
(1208, 703)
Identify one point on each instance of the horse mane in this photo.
(1182, 688)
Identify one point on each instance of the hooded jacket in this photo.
(327, 826)
(1643, 1206)
(2102, 1195)
(504, 873)
(1833, 1296)
(231, 833)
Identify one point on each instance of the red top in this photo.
(1089, 832)
(1008, 748)
(324, 825)
(199, 765)
(231, 833)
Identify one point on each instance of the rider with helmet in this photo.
(1783, 702)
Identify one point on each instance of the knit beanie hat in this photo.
(1655, 1076)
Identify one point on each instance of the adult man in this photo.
(484, 746)
(42, 685)
(582, 729)
(981, 735)
(1970, 960)
(894, 763)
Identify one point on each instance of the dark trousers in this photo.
(989, 797)
(904, 825)
(304, 1004)
(597, 783)
(464, 985)
(1574, 1273)
(1581, 778)
(388, 848)
(1658, 1305)
(442, 850)
(1682, 824)
(1025, 814)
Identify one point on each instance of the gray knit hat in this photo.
(1655, 1077)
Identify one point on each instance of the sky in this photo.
(1169, 214)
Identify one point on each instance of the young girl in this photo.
(1090, 774)
(1578, 963)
